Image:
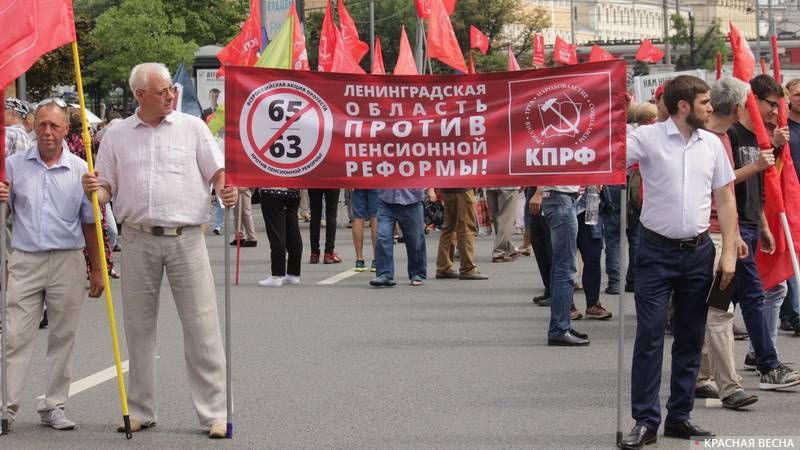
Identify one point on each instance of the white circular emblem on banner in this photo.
(285, 128)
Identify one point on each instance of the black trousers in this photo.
(283, 232)
(331, 205)
(540, 236)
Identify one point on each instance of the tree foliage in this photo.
(702, 50)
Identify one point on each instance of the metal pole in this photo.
(572, 21)
(758, 30)
(623, 269)
(263, 13)
(419, 53)
(770, 19)
(228, 363)
(665, 16)
(371, 34)
(22, 88)
(3, 322)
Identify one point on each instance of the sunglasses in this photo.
(60, 103)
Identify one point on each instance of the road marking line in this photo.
(93, 380)
(339, 277)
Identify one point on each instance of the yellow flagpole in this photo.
(87, 145)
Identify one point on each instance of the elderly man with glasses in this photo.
(159, 165)
(53, 222)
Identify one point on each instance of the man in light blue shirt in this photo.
(52, 222)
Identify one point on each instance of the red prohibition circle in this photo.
(320, 131)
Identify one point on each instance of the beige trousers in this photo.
(503, 209)
(59, 279)
(717, 364)
(244, 209)
(458, 231)
(185, 260)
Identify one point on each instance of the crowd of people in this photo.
(695, 209)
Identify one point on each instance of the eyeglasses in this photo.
(772, 105)
(165, 91)
(60, 103)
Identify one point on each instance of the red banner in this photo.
(557, 126)
(538, 50)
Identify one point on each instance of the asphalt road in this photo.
(451, 364)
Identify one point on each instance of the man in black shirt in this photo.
(748, 165)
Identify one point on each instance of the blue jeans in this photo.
(559, 212)
(790, 308)
(611, 224)
(219, 214)
(410, 218)
(773, 299)
(665, 271)
(750, 296)
(111, 227)
(590, 244)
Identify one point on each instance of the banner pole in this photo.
(623, 269)
(790, 243)
(228, 364)
(3, 278)
(239, 236)
(98, 226)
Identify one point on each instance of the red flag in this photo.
(599, 54)
(471, 63)
(243, 49)
(513, 65)
(538, 50)
(343, 61)
(327, 41)
(299, 53)
(424, 7)
(358, 48)
(777, 267)
(442, 42)
(649, 53)
(405, 59)
(744, 64)
(478, 40)
(377, 61)
(31, 28)
(718, 63)
(564, 53)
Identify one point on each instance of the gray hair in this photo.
(138, 78)
(727, 94)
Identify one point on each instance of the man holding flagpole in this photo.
(141, 162)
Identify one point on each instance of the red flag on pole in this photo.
(471, 63)
(777, 267)
(243, 49)
(327, 41)
(299, 53)
(424, 7)
(478, 40)
(343, 61)
(599, 54)
(648, 52)
(377, 61)
(718, 63)
(538, 50)
(405, 58)
(31, 28)
(442, 42)
(564, 53)
(744, 64)
(764, 69)
(358, 48)
(513, 65)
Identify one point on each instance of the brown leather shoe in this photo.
(448, 274)
(474, 275)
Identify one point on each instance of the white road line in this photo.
(93, 380)
(339, 277)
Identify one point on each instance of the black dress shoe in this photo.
(706, 391)
(738, 400)
(685, 430)
(542, 300)
(578, 334)
(639, 436)
(567, 340)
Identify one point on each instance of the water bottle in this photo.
(592, 205)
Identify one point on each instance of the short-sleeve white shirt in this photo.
(679, 177)
(160, 176)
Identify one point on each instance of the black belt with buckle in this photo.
(682, 244)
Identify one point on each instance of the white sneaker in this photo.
(291, 279)
(56, 418)
(271, 281)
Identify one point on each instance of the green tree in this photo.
(133, 32)
(702, 50)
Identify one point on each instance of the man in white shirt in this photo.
(681, 165)
(157, 165)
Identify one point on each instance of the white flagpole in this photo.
(3, 322)
(623, 268)
(228, 346)
(792, 252)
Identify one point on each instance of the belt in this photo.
(157, 230)
(682, 244)
(573, 195)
